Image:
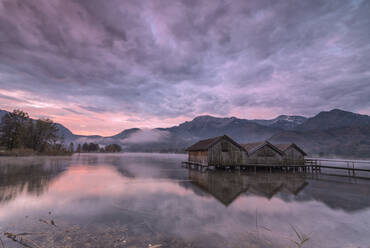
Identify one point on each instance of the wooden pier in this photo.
(313, 165)
(351, 166)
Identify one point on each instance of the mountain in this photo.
(125, 133)
(349, 142)
(286, 122)
(65, 132)
(2, 113)
(208, 126)
(335, 118)
(334, 132)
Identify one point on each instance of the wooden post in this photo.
(353, 166)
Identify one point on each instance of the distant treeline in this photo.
(21, 135)
(156, 150)
(93, 147)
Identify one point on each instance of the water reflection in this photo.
(98, 199)
(28, 175)
(343, 193)
(227, 186)
(137, 165)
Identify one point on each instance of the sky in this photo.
(99, 67)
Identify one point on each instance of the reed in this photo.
(21, 239)
(2, 244)
(302, 238)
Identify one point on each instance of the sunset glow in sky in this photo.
(99, 67)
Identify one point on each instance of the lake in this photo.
(149, 200)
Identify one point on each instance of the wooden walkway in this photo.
(352, 167)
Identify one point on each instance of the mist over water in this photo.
(137, 199)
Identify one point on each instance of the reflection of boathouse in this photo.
(226, 187)
(223, 151)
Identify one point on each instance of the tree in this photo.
(113, 148)
(85, 147)
(79, 148)
(29, 139)
(71, 147)
(13, 129)
(92, 147)
(17, 130)
(45, 134)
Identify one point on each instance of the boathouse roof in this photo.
(252, 147)
(204, 145)
(284, 147)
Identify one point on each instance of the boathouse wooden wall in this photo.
(198, 157)
(292, 155)
(225, 153)
(265, 155)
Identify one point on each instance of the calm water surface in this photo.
(143, 200)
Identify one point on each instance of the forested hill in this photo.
(331, 133)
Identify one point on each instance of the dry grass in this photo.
(18, 152)
(30, 152)
(302, 238)
(2, 244)
(21, 239)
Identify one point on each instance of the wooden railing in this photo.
(349, 165)
(346, 163)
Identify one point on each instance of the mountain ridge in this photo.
(334, 118)
(325, 133)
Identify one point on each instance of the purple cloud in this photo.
(171, 59)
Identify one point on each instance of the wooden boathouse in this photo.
(263, 153)
(222, 151)
(219, 152)
(293, 154)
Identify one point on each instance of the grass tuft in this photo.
(301, 237)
